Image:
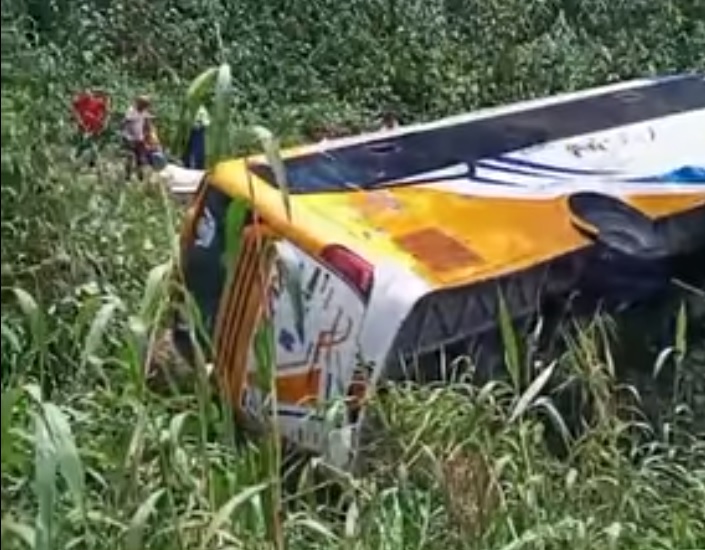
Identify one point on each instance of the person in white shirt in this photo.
(135, 127)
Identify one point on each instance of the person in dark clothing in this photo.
(195, 155)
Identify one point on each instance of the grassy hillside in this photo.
(92, 459)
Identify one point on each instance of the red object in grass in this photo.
(91, 110)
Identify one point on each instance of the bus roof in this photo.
(397, 156)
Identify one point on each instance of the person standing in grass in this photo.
(195, 155)
(135, 128)
(153, 146)
(389, 120)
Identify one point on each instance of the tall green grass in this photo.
(106, 463)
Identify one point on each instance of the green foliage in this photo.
(92, 459)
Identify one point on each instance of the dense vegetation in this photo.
(92, 459)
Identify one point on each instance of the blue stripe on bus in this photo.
(512, 161)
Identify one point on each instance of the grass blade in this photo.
(528, 397)
(661, 360)
(270, 145)
(10, 338)
(220, 123)
(316, 527)
(176, 426)
(234, 224)
(37, 327)
(21, 531)
(45, 466)
(547, 405)
(69, 461)
(225, 511)
(352, 518)
(195, 96)
(138, 523)
(155, 290)
(98, 328)
(31, 310)
(681, 343)
(510, 343)
(10, 397)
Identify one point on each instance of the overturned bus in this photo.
(397, 243)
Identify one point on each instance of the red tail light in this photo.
(355, 270)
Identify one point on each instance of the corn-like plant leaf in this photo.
(510, 343)
(661, 360)
(155, 290)
(134, 449)
(352, 517)
(176, 426)
(234, 224)
(196, 95)
(681, 343)
(264, 358)
(226, 511)
(316, 527)
(98, 328)
(138, 523)
(270, 145)
(546, 404)
(614, 532)
(45, 465)
(10, 397)
(21, 531)
(220, 122)
(9, 337)
(31, 310)
(69, 461)
(532, 392)
(34, 392)
(27, 304)
(199, 87)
